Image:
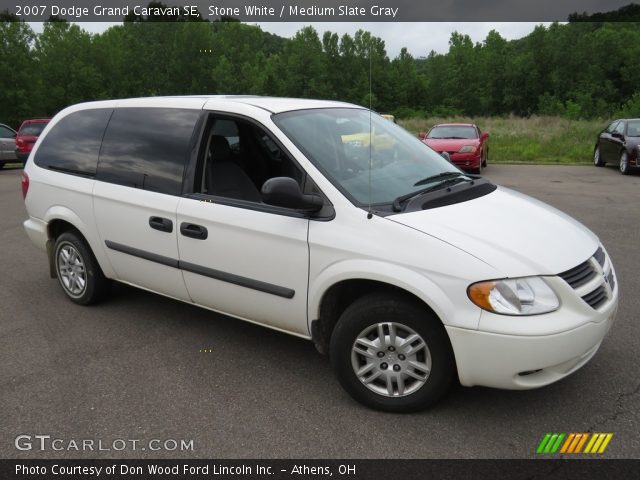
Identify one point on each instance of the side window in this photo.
(620, 128)
(238, 157)
(147, 148)
(72, 145)
(6, 133)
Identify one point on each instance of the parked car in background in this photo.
(7, 144)
(465, 143)
(28, 133)
(619, 144)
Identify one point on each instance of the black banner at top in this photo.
(315, 10)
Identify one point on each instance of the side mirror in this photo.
(484, 136)
(285, 192)
(422, 135)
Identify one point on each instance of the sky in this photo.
(419, 38)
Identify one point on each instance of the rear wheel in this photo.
(391, 353)
(78, 272)
(597, 158)
(624, 163)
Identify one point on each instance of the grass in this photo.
(533, 140)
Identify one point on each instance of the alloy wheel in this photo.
(71, 270)
(391, 359)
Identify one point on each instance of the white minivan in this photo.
(325, 221)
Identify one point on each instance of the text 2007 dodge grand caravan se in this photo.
(326, 221)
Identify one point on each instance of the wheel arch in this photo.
(326, 307)
(61, 219)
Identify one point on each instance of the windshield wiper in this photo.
(438, 176)
(397, 203)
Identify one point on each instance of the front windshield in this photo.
(449, 131)
(343, 144)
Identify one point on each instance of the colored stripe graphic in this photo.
(550, 443)
(573, 443)
(598, 443)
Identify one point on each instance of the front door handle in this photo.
(161, 223)
(193, 231)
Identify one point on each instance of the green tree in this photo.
(19, 88)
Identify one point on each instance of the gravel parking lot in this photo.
(135, 366)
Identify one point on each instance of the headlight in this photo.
(514, 296)
(467, 148)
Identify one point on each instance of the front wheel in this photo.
(78, 272)
(624, 163)
(597, 158)
(392, 354)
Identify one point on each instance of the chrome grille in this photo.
(593, 280)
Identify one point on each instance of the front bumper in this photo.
(518, 362)
(529, 352)
(465, 160)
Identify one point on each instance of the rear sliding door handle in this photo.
(193, 231)
(161, 223)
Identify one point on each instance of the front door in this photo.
(244, 262)
(238, 255)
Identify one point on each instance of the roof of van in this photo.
(271, 104)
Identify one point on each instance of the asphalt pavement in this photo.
(141, 367)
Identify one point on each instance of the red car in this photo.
(465, 143)
(28, 133)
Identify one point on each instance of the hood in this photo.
(514, 233)
(450, 144)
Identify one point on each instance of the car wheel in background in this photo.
(78, 272)
(624, 163)
(392, 354)
(597, 159)
(485, 159)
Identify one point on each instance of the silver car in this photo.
(7, 145)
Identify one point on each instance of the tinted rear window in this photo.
(32, 129)
(147, 148)
(72, 145)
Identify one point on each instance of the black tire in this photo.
(624, 163)
(399, 311)
(485, 159)
(95, 286)
(597, 158)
